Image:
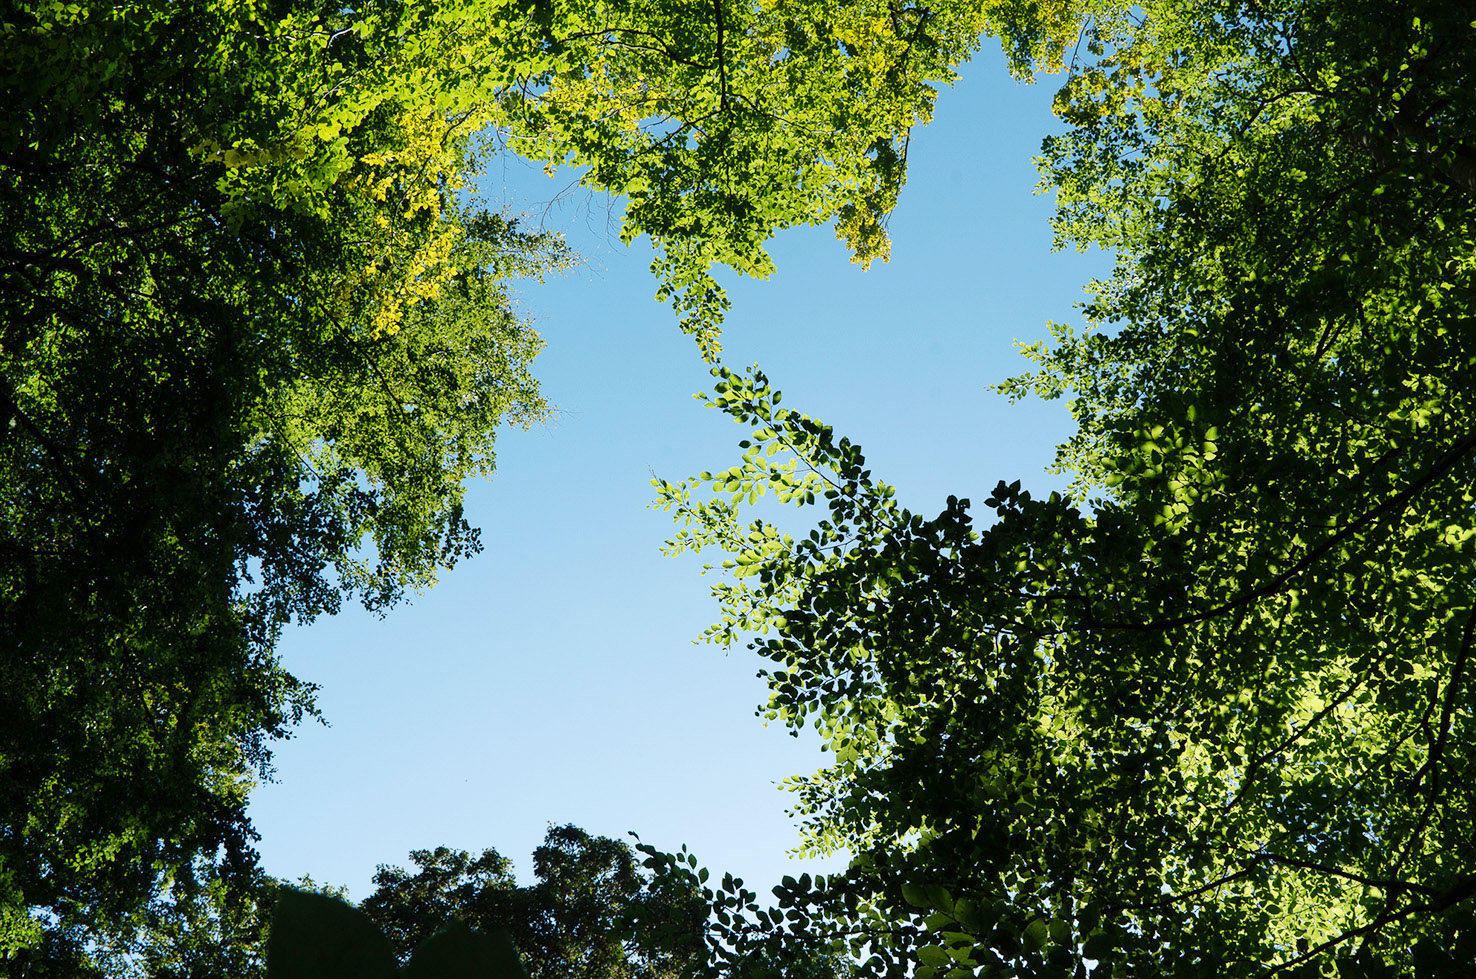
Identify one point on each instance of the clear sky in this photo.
(554, 678)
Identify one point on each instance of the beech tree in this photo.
(1211, 712)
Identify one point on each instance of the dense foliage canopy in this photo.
(1211, 714)
(593, 912)
(227, 402)
(254, 337)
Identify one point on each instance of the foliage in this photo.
(227, 402)
(253, 339)
(796, 963)
(591, 915)
(313, 935)
(1216, 719)
(212, 922)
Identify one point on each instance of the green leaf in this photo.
(934, 956)
(915, 896)
(1098, 946)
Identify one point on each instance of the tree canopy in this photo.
(1210, 713)
(227, 405)
(593, 912)
(255, 335)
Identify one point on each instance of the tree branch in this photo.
(56, 453)
(722, 68)
(1447, 709)
(1398, 501)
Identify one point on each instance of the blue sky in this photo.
(554, 677)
